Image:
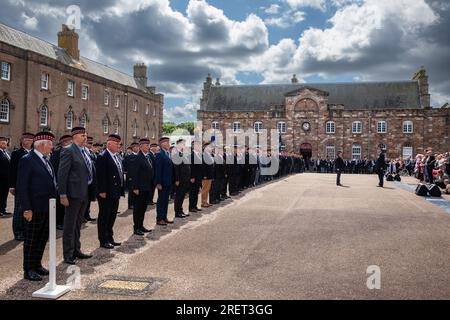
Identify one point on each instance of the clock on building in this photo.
(306, 126)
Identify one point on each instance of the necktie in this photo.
(7, 155)
(49, 169)
(88, 164)
(148, 159)
(119, 167)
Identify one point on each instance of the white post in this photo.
(52, 290)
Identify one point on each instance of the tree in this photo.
(169, 127)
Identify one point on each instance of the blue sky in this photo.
(253, 41)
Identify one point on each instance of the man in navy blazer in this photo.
(141, 184)
(36, 184)
(110, 187)
(163, 181)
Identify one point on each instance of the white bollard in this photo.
(51, 289)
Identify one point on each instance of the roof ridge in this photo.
(311, 84)
(56, 46)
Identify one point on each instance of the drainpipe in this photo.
(25, 102)
(126, 121)
(368, 137)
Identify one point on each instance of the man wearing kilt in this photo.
(36, 184)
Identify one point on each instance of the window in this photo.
(4, 110)
(69, 120)
(381, 127)
(330, 127)
(408, 127)
(215, 125)
(83, 120)
(281, 127)
(357, 127)
(6, 71)
(147, 109)
(44, 81)
(105, 124)
(154, 131)
(116, 126)
(117, 102)
(70, 88)
(407, 151)
(356, 152)
(106, 98)
(258, 127)
(330, 152)
(147, 129)
(84, 92)
(43, 116)
(135, 128)
(135, 105)
(154, 111)
(236, 127)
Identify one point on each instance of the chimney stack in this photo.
(422, 78)
(140, 74)
(68, 39)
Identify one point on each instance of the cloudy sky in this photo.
(252, 41)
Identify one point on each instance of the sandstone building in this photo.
(44, 86)
(319, 119)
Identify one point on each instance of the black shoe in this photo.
(152, 203)
(7, 214)
(19, 238)
(69, 261)
(84, 220)
(2, 214)
(180, 215)
(198, 209)
(107, 246)
(91, 219)
(82, 255)
(60, 227)
(193, 210)
(32, 276)
(116, 244)
(145, 230)
(139, 233)
(42, 271)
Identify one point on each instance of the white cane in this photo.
(52, 290)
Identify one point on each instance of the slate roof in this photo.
(354, 96)
(25, 41)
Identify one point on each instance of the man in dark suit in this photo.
(5, 164)
(64, 142)
(88, 148)
(18, 226)
(141, 183)
(154, 149)
(76, 175)
(163, 181)
(36, 184)
(196, 176)
(127, 165)
(183, 180)
(110, 187)
(339, 165)
(381, 166)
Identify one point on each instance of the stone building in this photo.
(44, 86)
(319, 119)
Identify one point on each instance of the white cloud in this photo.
(186, 111)
(273, 9)
(29, 22)
(316, 4)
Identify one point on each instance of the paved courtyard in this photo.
(297, 238)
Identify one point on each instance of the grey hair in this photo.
(40, 143)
